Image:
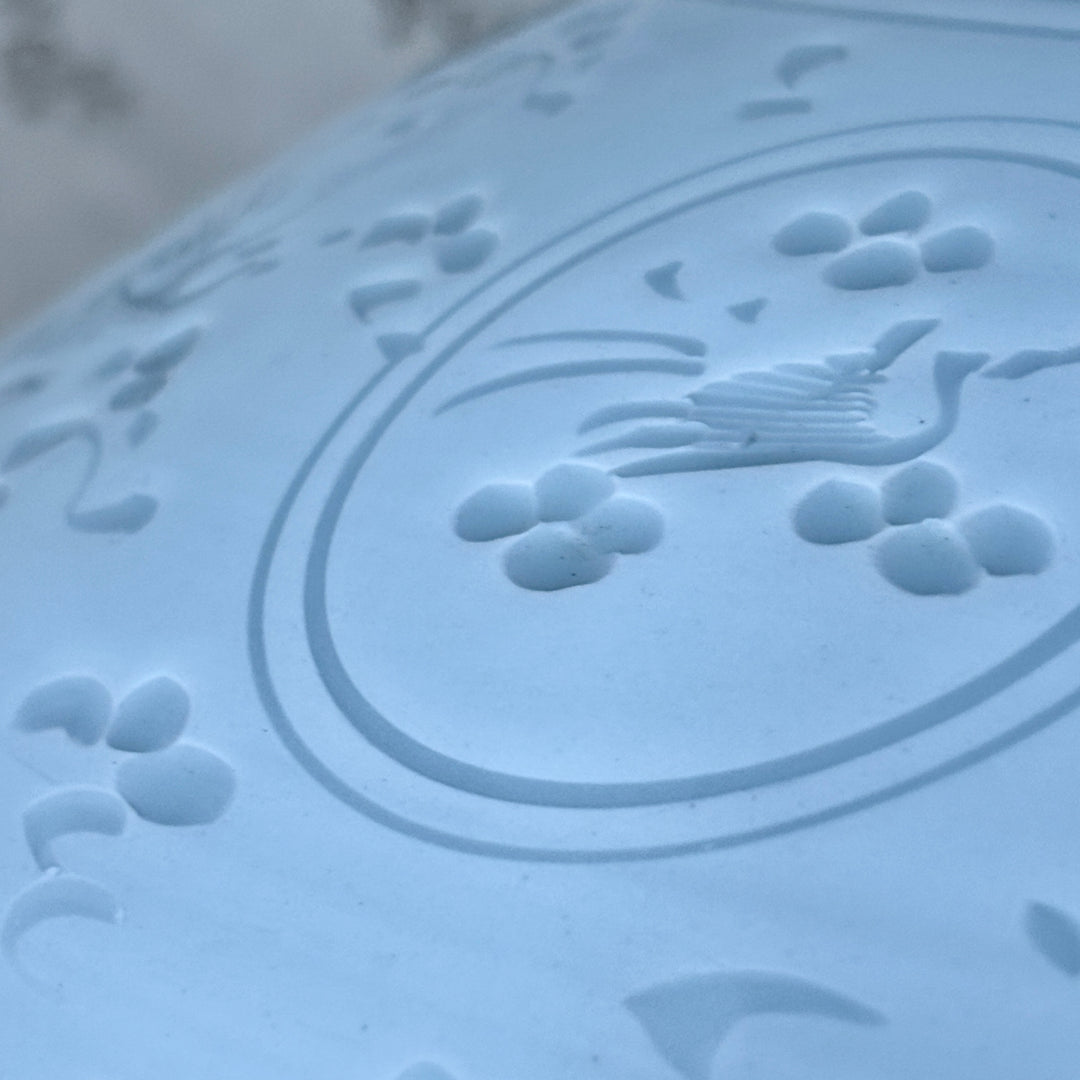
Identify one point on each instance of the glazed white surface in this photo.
(572, 573)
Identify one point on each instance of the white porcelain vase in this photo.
(573, 573)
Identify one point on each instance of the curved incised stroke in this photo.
(690, 1018)
(54, 897)
(127, 515)
(688, 346)
(571, 369)
(70, 810)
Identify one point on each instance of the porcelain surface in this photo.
(573, 573)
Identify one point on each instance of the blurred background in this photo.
(116, 115)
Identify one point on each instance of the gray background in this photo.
(115, 115)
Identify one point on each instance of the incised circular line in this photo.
(1039, 651)
(508, 787)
